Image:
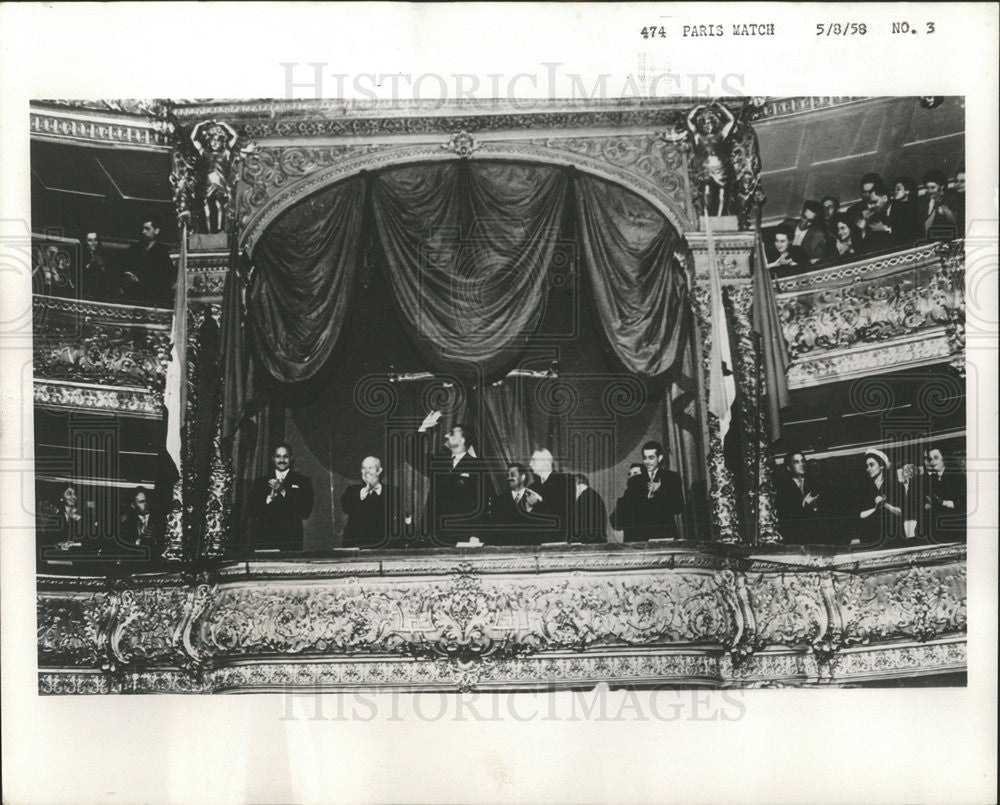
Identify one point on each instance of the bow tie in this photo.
(365, 490)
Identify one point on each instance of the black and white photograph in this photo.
(602, 395)
(541, 401)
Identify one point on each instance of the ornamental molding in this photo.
(101, 128)
(921, 350)
(783, 107)
(82, 397)
(766, 670)
(918, 257)
(46, 307)
(273, 179)
(902, 613)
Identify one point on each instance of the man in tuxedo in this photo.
(508, 517)
(140, 526)
(456, 501)
(552, 494)
(369, 506)
(149, 276)
(799, 502)
(280, 502)
(646, 510)
(590, 517)
(944, 502)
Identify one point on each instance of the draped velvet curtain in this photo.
(305, 271)
(639, 289)
(467, 250)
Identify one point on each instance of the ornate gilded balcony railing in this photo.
(511, 619)
(99, 356)
(879, 314)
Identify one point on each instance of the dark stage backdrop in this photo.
(468, 271)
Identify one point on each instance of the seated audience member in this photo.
(800, 502)
(843, 237)
(831, 208)
(866, 241)
(279, 502)
(150, 275)
(508, 515)
(141, 526)
(647, 508)
(70, 525)
(879, 503)
(369, 506)
(810, 234)
(877, 211)
(784, 256)
(944, 514)
(590, 517)
(555, 494)
(904, 219)
(937, 217)
(872, 188)
(98, 278)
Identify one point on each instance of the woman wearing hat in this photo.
(881, 515)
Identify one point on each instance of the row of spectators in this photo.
(906, 505)
(144, 275)
(93, 527)
(886, 218)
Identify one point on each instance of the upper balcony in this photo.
(879, 314)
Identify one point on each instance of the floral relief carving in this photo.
(874, 310)
(788, 610)
(468, 630)
(110, 355)
(921, 602)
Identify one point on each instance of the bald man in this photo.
(552, 494)
(369, 508)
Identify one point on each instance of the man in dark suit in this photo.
(799, 502)
(508, 518)
(280, 502)
(369, 509)
(456, 501)
(150, 276)
(810, 234)
(552, 495)
(590, 517)
(945, 499)
(141, 526)
(646, 510)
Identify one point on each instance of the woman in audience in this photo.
(843, 237)
(879, 506)
(99, 279)
(904, 218)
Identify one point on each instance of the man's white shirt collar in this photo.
(366, 490)
(280, 474)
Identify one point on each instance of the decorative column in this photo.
(732, 249)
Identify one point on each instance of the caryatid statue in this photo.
(214, 141)
(710, 128)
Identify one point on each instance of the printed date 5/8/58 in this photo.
(841, 29)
